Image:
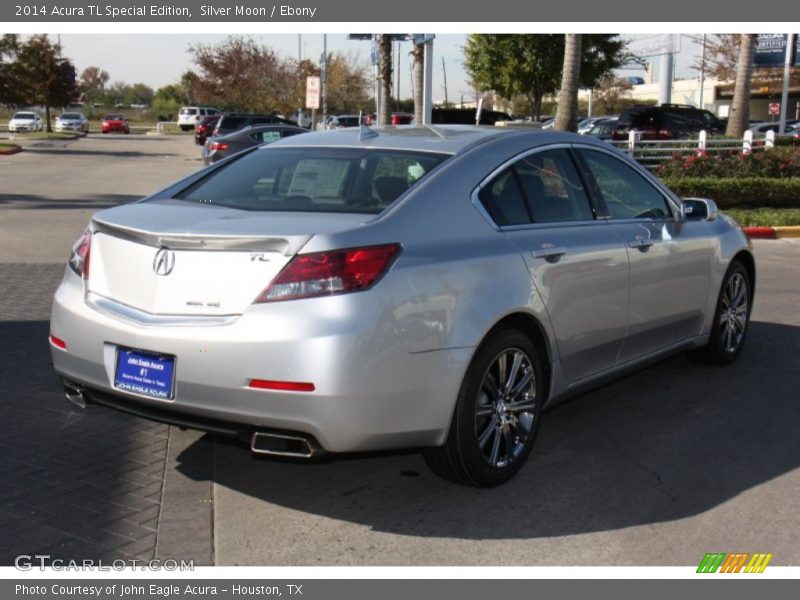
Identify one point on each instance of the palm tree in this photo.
(739, 118)
(567, 111)
(385, 76)
(418, 74)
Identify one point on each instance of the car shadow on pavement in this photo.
(87, 201)
(672, 441)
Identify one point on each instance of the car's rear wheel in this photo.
(497, 414)
(731, 318)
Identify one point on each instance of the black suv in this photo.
(230, 122)
(466, 116)
(666, 122)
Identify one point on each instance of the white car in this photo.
(72, 121)
(25, 121)
(189, 116)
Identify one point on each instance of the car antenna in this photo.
(433, 129)
(365, 133)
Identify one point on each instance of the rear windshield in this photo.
(232, 123)
(188, 111)
(349, 180)
(75, 116)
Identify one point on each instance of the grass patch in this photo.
(764, 217)
(43, 135)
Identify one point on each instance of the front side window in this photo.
(350, 180)
(627, 194)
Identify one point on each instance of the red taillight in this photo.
(283, 386)
(217, 146)
(329, 273)
(81, 253)
(59, 343)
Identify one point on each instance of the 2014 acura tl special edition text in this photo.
(411, 287)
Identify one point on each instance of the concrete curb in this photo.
(773, 233)
(13, 150)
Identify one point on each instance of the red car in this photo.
(204, 128)
(115, 123)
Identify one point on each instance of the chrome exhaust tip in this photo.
(74, 393)
(280, 444)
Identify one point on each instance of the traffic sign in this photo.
(312, 92)
(774, 108)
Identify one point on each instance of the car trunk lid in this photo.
(174, 258)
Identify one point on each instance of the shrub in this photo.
(730, 192)
(781, 162)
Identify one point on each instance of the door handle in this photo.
(641, 243)
(549, 251)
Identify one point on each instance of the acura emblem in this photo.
(164, 261)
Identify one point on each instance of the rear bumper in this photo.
(370, 394)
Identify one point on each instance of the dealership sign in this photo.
(771, 50)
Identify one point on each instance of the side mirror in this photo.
(699, 209)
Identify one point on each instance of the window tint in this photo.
(552, 187)
(503, 200)
(313, 180)
(627, 194)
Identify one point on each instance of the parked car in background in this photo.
(396, 118)
(585, 125)
(204, 128)
(603, 130)
(72, 121)
(343, 121)
(666, 122)
(435, 287)
(223, 146)
(230, 122)
(190, 116)
(466, 116)
(115, 122)
(25, 121)
(762, 128)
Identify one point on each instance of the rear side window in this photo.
(543, 187)
(265, 136)
(626, 193)
(504, 201)
(552, 187)
(350, 180)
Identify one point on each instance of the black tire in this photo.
(731, 319)
(487, 449)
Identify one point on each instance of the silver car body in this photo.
(72, 122)
(600, 296)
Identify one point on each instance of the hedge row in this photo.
(732, 192)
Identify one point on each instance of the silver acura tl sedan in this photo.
(415, 287)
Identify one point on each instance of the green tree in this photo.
(9, 92)
(531, 64)
(43, 76)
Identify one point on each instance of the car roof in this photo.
(447, 139)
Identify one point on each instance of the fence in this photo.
(651, 153)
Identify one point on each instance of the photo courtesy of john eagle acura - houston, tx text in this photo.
(430, 288)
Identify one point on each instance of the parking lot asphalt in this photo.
(657, 468)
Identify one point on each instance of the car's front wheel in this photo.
(731, 318)
(497, 414)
